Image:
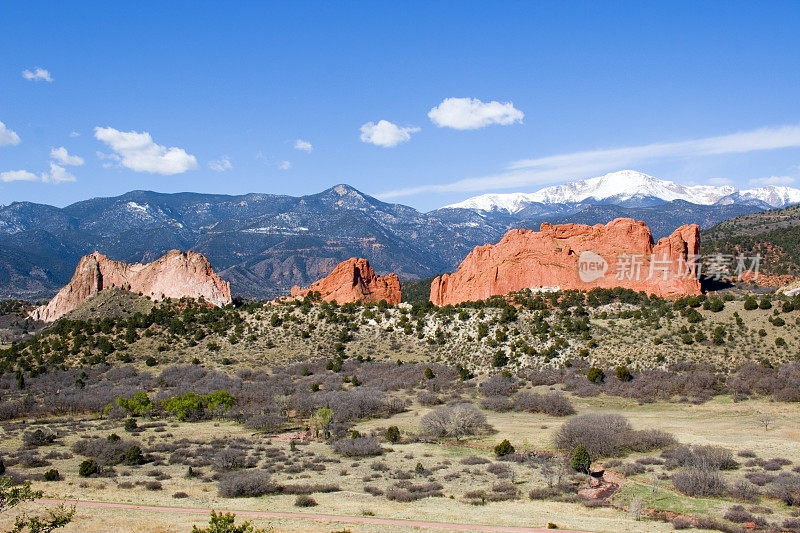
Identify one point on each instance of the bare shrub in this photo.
(266, 422)
(498, 404)
(711, 457)
(786, 487)
(38, 437)
(474, 460)
(699, 482)
(230, 459)
(453, 421)
(428, 398)
(745, 491)
(630, 469)
(358, 447)
(405, 491)
(601, 434)
(306, 488)
(246, 483)
(552, 403)
(105, 451)
(738, 514)
(305, 501)
(500, 470)
(759, 478)
(648, 439)
(499, 385)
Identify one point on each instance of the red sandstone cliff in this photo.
(354, 280)
(552, 257)
(175, 275)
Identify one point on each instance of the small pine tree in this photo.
(750, 304)
(504, 448)
(393, 434)
(596, 375)
(580, 459)
(623, 373)
(429, 373)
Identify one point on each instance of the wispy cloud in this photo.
(542, 170)
(303, 146)
(280, 164)
(772, 180)
(386, 134)
(138, 152)
(471, 114)
(65, 158)
(37, 74)
(8, 137)
(220, 165)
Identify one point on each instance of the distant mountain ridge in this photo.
(264, 244)
(629, 188)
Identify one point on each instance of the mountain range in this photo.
(264, 244)
(629, 188)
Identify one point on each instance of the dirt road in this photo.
(303, 516)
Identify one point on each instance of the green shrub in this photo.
(138, 405)
(393, 434)
(88, 468)
(130, 424)
(623, 373)
(503, 448)
(750, 304)
(596, 375)
(52, 475)
(429, 373)
(580, 459)
(134, 456)
(765, 303)
(150, 361)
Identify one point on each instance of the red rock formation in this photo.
(175, 275)
(355, 281)
(576, 256)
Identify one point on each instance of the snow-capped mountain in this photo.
(632, 189)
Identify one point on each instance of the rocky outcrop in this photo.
(175, 275)
(575, 256)
(354, 280)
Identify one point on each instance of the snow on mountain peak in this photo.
(629, 185)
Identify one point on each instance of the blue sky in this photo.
(234, 86)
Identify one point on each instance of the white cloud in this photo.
(57, 174)
(220, 165)
(386, 134)
(718, 182)
(7, 136)
(74, 134)
(18, 175)
(138, 152)
(472, 114)
(305, 146)
(772, 180)
(37, 74)
(284, 165)
(576, 165)
(64, 157)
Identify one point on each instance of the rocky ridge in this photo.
(175, 275)
(354, 280)
(576, 256)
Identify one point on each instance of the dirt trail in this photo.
(444, 526)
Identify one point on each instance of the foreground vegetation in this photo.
(375, 410)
